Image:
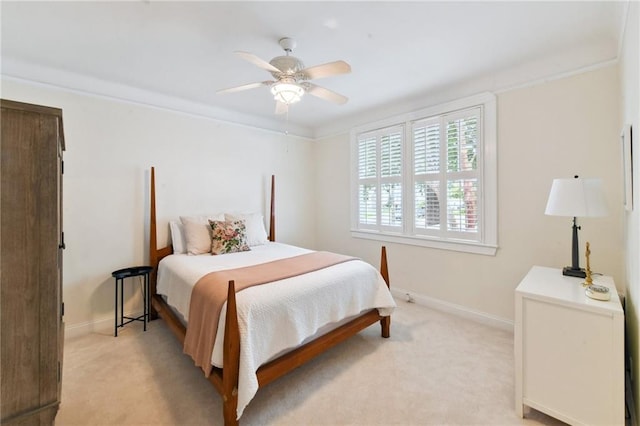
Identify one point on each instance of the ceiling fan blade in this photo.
(326, 70)
(245, 87)
(281, 108)
(325, 94)
(257, 61)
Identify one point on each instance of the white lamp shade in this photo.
(287, 93)
(576, 197)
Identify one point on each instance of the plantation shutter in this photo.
(426, 159)
(367, 176)
(462, 175)
(380, 178)
(446, 176)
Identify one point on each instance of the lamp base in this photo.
(571, 272)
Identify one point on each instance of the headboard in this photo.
(157, 254)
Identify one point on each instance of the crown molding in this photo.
(38, 75)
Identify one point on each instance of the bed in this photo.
(295, 332)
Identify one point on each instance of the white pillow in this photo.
(203, 218)
(197, 233)
(197, 237)
(177, 237)
(256, 234)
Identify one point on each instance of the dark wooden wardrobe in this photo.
(31, 247)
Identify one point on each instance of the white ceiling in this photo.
(404, 55)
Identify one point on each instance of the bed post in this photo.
(153, 246)
(272, 213)
(385, 322)
(231, 360)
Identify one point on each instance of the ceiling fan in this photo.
(291, 77)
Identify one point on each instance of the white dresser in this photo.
(569, 349)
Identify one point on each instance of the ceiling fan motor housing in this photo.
(289, 65)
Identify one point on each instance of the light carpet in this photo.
(436, 369)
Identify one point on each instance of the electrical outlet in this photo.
(410, 298)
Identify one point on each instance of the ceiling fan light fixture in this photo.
(287, 93)
(291, 78)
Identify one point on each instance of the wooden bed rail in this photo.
(225, 379)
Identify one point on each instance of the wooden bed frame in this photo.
(225, 379)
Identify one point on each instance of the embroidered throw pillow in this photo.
(228, 236)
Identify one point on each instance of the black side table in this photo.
(120, 275)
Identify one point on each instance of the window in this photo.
(429, 178)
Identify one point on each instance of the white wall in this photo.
(201, 166)
(556, 129)
(630, 101)
(560, 128)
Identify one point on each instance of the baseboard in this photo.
(103, 326)
(452, 308)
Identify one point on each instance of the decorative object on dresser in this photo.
(598, 292)
(560, 335)
(594, 291)
(578, 197)
(31, 309)
(588, 279)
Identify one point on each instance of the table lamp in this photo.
(577, 197)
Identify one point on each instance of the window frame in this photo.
(487, 243)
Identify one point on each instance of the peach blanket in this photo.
(210, 294)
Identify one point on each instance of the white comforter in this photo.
(276, 317)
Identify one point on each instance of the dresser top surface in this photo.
(549, 284)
